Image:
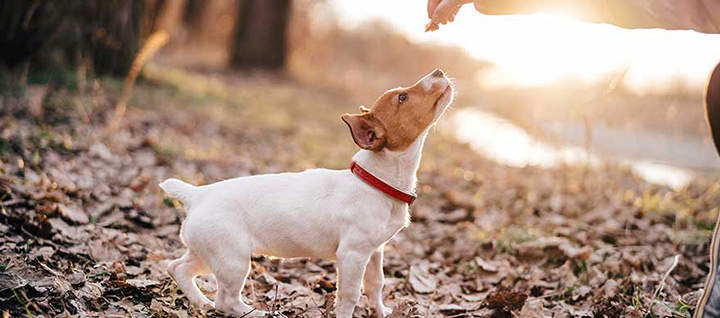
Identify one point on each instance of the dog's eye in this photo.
(402, 97)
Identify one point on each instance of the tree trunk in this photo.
(195, 19)
(193, 14)
(259, 41)
(116, 36)
(26, 28)
(162, 15)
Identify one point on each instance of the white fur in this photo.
(429, 80)
(315, 213)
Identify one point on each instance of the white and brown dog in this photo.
(346, 215)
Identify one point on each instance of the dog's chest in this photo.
(398, 220)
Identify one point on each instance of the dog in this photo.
(346, 215)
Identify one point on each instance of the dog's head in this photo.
(400, 115)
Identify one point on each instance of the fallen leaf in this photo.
(533, 308)
(506, 299)
(421, 281)
(141, 283)
(484, 265)
(73, 214)
(451, 309)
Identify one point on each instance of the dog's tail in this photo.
(183, 191)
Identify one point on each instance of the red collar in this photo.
(376, 183)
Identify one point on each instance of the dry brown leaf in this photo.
(533, 308)
(421, 281)
(73, 213)
(141, 283)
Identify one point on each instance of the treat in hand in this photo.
(442, 11)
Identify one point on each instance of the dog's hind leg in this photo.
(231, 273)
(183, 270)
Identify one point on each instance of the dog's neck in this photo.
(397, 168)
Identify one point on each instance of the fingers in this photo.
(438, 16)
(431, 5)
(443, 12)
(454, 13)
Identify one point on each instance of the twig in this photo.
(156, 40)
(12, 202)
(557, 293)
(274, 304)
(50, 270)
(247, 313)
(27, 310)
(65, 311)
(467, 313)
(662, 282)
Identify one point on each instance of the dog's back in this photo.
(285, 215)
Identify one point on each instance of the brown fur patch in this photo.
(395, 124)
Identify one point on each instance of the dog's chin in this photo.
(444, 101)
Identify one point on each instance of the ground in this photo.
(85, 231)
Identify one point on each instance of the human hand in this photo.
(442, 11)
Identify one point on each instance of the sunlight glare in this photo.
(540, 49)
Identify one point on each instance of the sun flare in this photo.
(541, 49)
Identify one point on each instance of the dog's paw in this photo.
(384, 311)
(207, 306)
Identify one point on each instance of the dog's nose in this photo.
(438, 73)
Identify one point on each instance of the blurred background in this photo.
(536, 89)
(587, 138)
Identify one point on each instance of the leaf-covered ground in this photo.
(85, 231)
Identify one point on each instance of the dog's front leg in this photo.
(351, 265)
(374, 281)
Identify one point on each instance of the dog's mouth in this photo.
(443, 94)
(447, 89)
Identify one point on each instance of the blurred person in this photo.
(698, 15)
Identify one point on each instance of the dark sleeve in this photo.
(699, 15)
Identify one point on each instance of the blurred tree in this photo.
(25, 28)
(162, 16)
(114, 30)
(260, 34)
(64, 34)
(194, 10)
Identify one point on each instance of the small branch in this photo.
(151, 46)
(247, 313)
(662, 282)
(274, 304)
(12, 202)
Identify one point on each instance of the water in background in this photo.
(658, 159)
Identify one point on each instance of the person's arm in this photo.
(698, 15)
(442, 11)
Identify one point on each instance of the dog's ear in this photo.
(367, 132)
